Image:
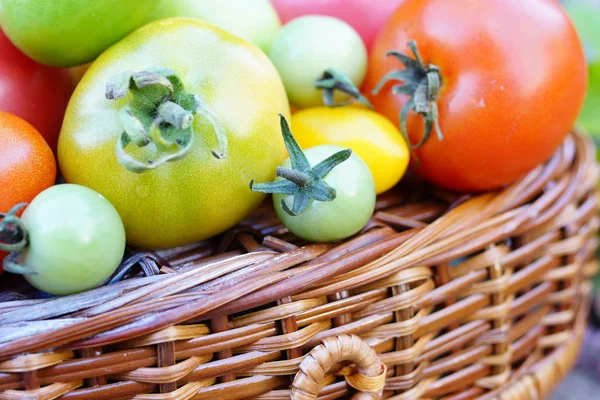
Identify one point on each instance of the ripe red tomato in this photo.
(513, 80)
(27, 166)
(366, 16)
(32, 91)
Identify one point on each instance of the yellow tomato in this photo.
(373, 137)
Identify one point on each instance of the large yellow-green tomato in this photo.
(370, 135)
(254, 20)
(170, 125)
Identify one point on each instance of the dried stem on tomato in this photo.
(159, 111)
(422, 83)
(333, 80)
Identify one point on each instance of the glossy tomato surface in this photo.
(371, 136)
(66, 33)
(197, 196)
(513, 82)
(37, 93)
(366, 16)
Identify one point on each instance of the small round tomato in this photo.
(328, 221)
(499, 101)
(323, 194)
(371, 136)
(37, 93)
(170, 139)
(366, 16)
(254, 20)
(306, 47)
(75, 240)
(70, 32)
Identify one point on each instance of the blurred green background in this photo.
(586, 16)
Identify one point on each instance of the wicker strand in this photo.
(369, 377)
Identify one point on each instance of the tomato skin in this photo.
(76, 239)
(197, 196)
(370, 135)
(37, 93)
(366, 16)
(27, 166)
(508, 97)
(328, 221)
(254, 20)
(67, 33)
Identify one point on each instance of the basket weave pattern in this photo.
(460, 297)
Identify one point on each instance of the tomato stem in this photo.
(333, 80)
(303, 182)
(13, 239)
(159, 112)
(13, 234)
(422, 83)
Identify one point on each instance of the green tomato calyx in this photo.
(159, 112)
(13, 239)
(422, 83)
(333, 80)
(303, 182)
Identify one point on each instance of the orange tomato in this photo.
(27, 166)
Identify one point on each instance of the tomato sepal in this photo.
(160, 112)
(302, 181)
(333, 80)
(422, 82)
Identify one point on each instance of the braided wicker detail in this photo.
(368, 377)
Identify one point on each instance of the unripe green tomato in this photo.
(253, 20)
(76, 239)
(348, 213)
(305, 47)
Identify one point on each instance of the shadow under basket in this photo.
(442, 296)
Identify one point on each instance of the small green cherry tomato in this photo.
(307, 46)
(76, 240)
(323, 194)
(253, 20)
(327, 221)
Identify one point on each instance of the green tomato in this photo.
(194, 195)
(76, 239)
(307, 46)
(66, 33)
(253, 20)
(327, 221)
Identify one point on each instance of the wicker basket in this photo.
(442, 296)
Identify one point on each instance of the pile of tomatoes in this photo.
(170, 120)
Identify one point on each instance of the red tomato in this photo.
(366, 16)
(32, 91)
(513, 80)
(27, 166)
